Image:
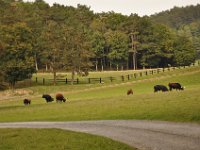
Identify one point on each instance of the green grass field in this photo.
(55, 139)
(98, 102)
(109, 101)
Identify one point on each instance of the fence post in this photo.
(66, 80)
(128, 77)
(140, 74)
(88, 80)
(135, 75)
(100, 80)
(43, 81)
(111, 79)
(77, 81)
(158, 71)
(36, 80)
(122, 78)
(146, 73)
(131, 75)
(163, 69)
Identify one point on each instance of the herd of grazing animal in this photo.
(48, 98)
(163, 88)
(61, 98)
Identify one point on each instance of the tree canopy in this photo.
(35, 36)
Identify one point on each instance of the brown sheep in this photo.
(130, 91)
(60, 98)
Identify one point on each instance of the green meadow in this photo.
(55, 139)
(109, 100)
(105, 101)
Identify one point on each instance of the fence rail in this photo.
(110, 79)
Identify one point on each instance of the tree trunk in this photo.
(51, 68)
(102, 65)
(134, 61)
(36, 63)
(127, 65)
(12, 86)
(54, 77)
(73, 75)
(96, 64)
(122, 67)
(46, 67)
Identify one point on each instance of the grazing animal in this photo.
(176, 86)
(27, 101)
(47, 97)
(130, 91)
(60, 98)
(160, 88)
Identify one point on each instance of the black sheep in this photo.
(47, 97)
(160, 88)
(27, 101)
(176, 86)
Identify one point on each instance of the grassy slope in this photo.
(51, 139)
(110, 102)
(62, 87)
(107, 101)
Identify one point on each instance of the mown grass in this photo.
(174, 106)
(62, 87)
(111, 102)
(99, 102)
(55, 139)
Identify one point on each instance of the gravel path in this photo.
(144, 135)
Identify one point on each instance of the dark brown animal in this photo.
(47, 97)
(60, 98)
(160, 88)
(27, 101)
(130, 91)
(176, 86)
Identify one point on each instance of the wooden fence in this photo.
(110, 79)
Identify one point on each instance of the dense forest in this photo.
(185, 20)
(35, 36)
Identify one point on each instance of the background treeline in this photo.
(186, 20)
(36, 36)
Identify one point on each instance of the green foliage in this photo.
(185, 20)
(157, 46)
(184, 52)
(98, 43)
(74, 39)
(117, 42)
(17, 57)
(178, 16)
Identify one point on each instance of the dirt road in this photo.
(144, 135)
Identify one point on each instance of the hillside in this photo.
(185, 20)
(178, 16)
